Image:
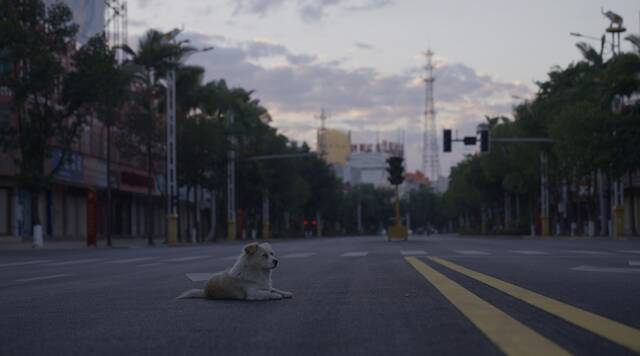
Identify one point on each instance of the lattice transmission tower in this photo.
(430, 158)
(116, 24)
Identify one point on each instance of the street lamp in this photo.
(172, 184)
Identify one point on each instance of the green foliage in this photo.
(578, 107)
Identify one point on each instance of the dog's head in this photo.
(261, 255)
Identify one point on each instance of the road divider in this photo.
(508, 334)
(609, 329)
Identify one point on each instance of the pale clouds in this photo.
(309, 10)
(294, 86)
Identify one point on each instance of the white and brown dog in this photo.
(248, 279)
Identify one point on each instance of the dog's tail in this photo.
(192, 293)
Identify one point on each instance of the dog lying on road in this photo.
(248, 279)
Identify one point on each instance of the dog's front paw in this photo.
(286, 294)
(276, 295)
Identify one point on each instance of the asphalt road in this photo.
(352, 296)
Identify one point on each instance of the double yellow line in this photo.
(511, 336)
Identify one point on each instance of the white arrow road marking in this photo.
(199, 277)
(12, 264)
(43, 278)
(606, 269)
(355, 254)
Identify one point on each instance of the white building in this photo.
(367, 163)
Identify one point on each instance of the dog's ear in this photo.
(251, 248)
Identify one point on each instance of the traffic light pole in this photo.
(485, 141)
(396, 177)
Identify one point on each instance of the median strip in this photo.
(508, 334)
(609, 329)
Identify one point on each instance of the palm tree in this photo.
(157, 54)
(109, 86)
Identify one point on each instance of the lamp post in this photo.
(171, 180)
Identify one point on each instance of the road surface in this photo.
(437, 295)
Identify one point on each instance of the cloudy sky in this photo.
(361, 59)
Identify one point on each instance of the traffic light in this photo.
(395, 170)
(446, 142)
(484, 141)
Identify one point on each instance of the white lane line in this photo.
(472, 252)
(606, 269)
(355, 254)
(413, 253)
(637, 252)
(199, 277)
(589, 252)
(130, 260)
(299, 255)
(24, 263)
(634, 263)
(43, 278)
(530, 252)
(188, 258)
(230, 258)
(75, 262)
(151, 264)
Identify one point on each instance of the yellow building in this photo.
(334, 145)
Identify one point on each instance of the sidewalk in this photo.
(9, 244)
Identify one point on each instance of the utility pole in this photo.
(544, 193)
(616, 28)
(231, 182)
(172, 214)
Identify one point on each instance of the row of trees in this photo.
(591, 112)
(58, 89)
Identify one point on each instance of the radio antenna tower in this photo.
(430, 159)
(322, 144)
(116, 24)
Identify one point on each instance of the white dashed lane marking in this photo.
(130, 260)
(298, 255)
(634, 263)
(606, 269)
(355, 254)
(151, 264)
(472, 252)
(230, 258)
(530, 252)
(588, 252)
(24, 263)
(413, 253)
(43, 278)
(187, 258)
(637, 252)
(199, 277)
(75, 262)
